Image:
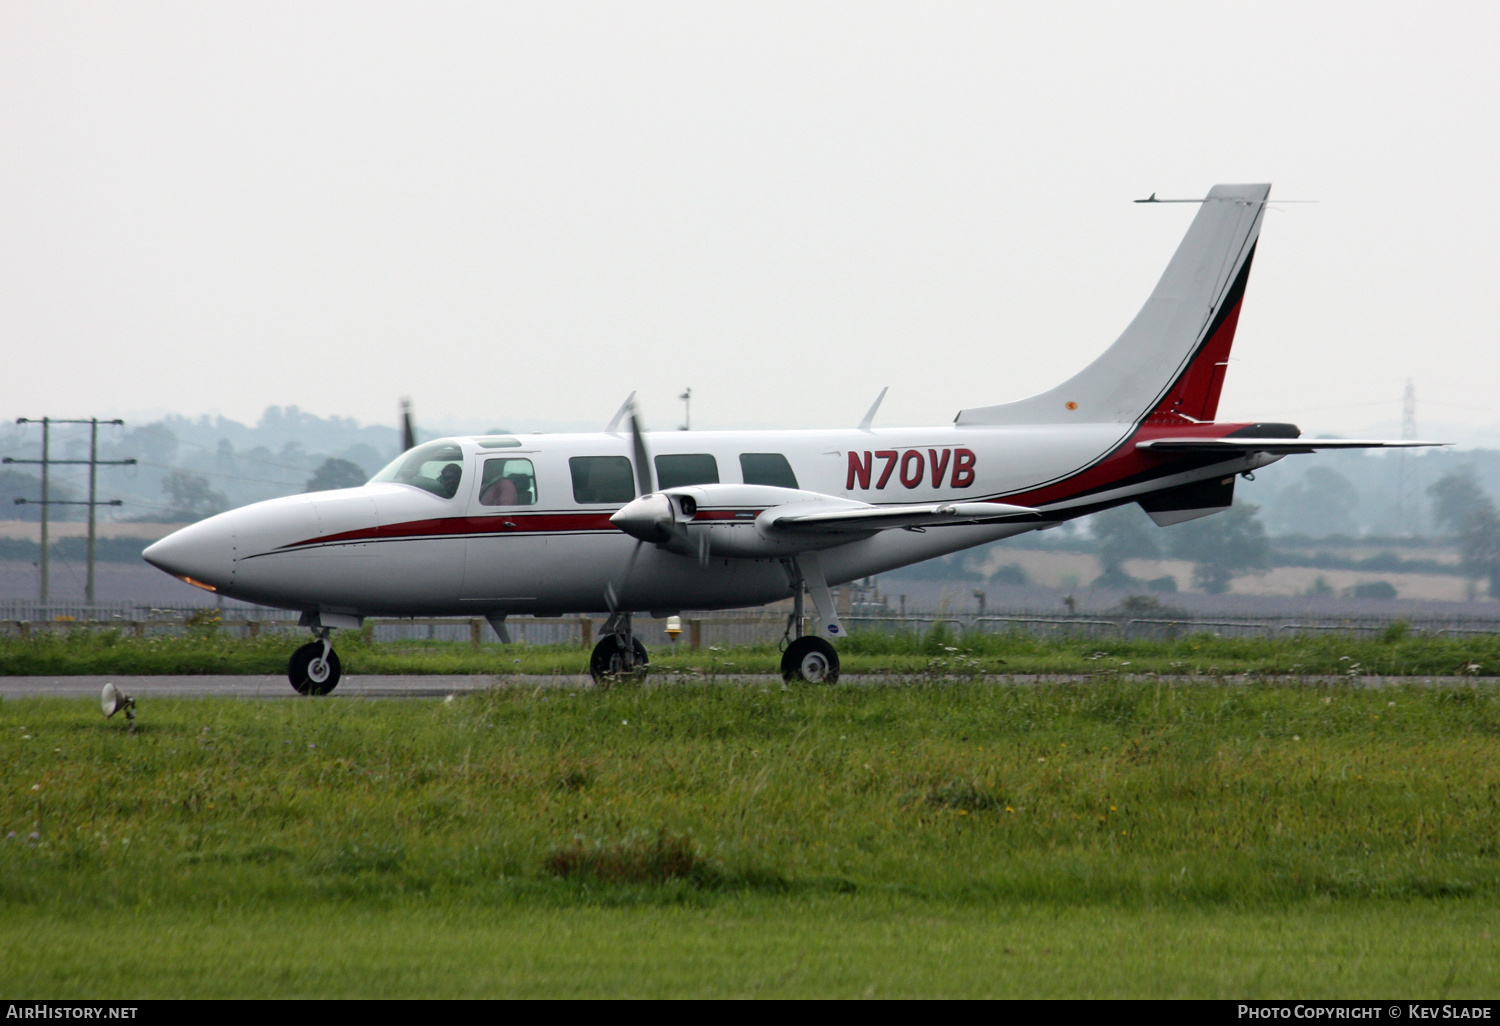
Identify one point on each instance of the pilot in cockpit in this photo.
(448, 479)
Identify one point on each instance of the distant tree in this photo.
(1147, 605)
(154, 442)
(1372, 590)
(1461, 508)
(1319, 586)
(336, 473)
(1320, 504)
(1124, 532)
(1457, 496)
(362, 455)
(1010, 573)
(192, 498)
(17, 485)
(1221, 546)
(1479, 547)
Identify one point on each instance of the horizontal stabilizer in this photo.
(1277, 446)
(884, 518)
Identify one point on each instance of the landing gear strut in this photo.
(619, 656)
(315, 668)
(810, 659)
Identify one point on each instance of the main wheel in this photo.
(310, 673)
(611, 662)
(811, 659)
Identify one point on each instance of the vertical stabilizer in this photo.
(1168, 366)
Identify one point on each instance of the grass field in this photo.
(945, 838)
(938, 654)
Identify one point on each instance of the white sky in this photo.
(517, 213)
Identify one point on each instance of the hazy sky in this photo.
(518, 213)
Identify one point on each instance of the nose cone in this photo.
(201, 554)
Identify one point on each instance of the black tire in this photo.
(309, 674)
(812, 660)
(608, 663)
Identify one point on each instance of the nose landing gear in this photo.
(314, 668)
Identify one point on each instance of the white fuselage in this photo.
(396, 549)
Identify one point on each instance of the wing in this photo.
(1278, 446)
(883, 518)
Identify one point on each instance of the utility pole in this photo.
(93, 462)
(687, 409)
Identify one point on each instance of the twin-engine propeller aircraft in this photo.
(629, 522)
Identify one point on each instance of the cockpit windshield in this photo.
(436, 467)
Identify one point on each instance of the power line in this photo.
(226, 477)
(238, 456)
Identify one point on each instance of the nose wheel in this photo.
(314, 668)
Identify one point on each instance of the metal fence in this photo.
(726, 629)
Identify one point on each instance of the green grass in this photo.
(937, 654)
(1116, 838)
(753, 947)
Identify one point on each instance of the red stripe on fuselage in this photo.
(448, 526)
(1125, 462)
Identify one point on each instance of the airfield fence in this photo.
(712, 630)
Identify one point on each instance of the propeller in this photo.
(652, 516)
(408, 429)
(643, 479)
(611, 595)
(645, 486)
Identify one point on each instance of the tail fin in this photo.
(1168, 366)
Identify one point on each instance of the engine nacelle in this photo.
(729, 520)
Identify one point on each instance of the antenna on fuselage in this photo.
(625, 407)
(864, 425)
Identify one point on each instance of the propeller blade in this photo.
(611, 595)
(642, 458)
(408, 429)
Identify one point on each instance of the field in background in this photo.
(920, 839)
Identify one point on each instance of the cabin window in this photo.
(509, 482)
(690, 469)
(436, 467)
(602, 479)
(767, 468)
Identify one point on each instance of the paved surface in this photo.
(264, 686)
(435, 686)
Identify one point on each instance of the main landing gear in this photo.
(807, 658)
(619, 657)
(811, 659)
